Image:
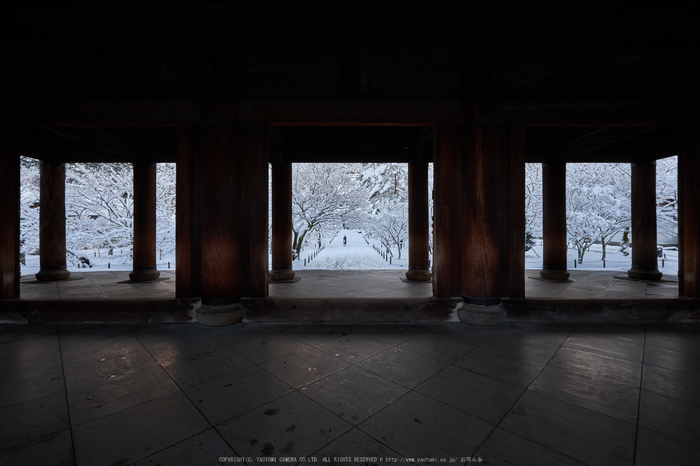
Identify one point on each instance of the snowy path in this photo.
(356, 254)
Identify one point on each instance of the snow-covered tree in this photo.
(533, 199)
(667, 196)
(324, 197)
(29, 205)
(391, 227)
(597, 203)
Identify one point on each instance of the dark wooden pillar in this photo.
(554, 266)
(218, 206)
(485, 245)
(418, 223)
(281, 222)
(184, 277)
(644, 259)
(689, 212)
(516, 214)
(52, 222)
(9, 214)
(254, 167)
(144, 268)
(447, 213)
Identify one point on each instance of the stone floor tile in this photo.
(353, 444)
(88, 402)
(97, 349)
(353, 348)
(31, 385)
(670, 416)
(554, 334)
(505, 448)
(503, 363)
(673, 360)
(33, 419)
(674, 384)
(178, 347)
(262, 348)
(292, 425)
(354, 393)
(418, 426)
(393, 334)
(576, 432)
(403, 367)
(524, 344)
(600, 366)
(15, 344)
(134, 433)
(588, 391)
(54, 449)
(70, 334)
(13, 364)
(475, 394)
(655, 448)
(443, 349)
(607, 346)
(111, 366)
(215, 363)
(304, 367)
(232, 395)
(201, 450)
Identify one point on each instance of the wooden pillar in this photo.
(689, 212)
(644, 259)
(516, 214)
(144, 268)
(554, 257)
(418, 223)
(217, 187)
(485, 252)
(52, 222)
(281, 222)
(447, 214)
(184, 277)
(9, 214)
(254, 215)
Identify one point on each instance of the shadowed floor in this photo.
(559, 394)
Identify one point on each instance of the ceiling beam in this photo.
(100, 139)
(599, 139)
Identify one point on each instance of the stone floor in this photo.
(182, 394)
(350, 284)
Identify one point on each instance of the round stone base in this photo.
(144, 275)
(482, 316)
(419, 275)
(281, 274)
(52, 275)
(220, 316)
(554, 274)
(641, 274)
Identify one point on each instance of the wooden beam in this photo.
(597, 113)
(350, 112)
(601, 138)
(147, 113)
(100, 139)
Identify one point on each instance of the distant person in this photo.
(345, 240)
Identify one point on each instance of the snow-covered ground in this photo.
(359, 253)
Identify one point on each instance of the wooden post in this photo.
(217, 184)
(644, 260)
(281, 222)
(254, 216)
(52, 222)
(9, 214)
(516, 213)
(689, 212)
(418, 223)
(554, 264)
(144, 268)
(447, 199)
(183, 219)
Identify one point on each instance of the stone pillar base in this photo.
(555, 274)
(418, 275)
(220, 316)
(489, 314)
(644, 274)
(144, 274)
(281, 274)
(49, 275)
